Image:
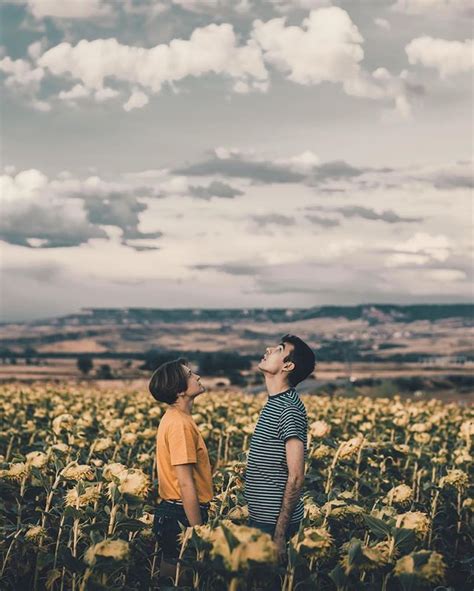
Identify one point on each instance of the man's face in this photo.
(273, 362)
(194, 383)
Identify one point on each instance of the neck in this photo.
(184, 404)
(276, 384)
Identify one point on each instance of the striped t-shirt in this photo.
(282, 417)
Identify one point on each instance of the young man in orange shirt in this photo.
(184, 470)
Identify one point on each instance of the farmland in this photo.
(388, 503)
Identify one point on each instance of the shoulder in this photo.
(292, 402)
(177, 421)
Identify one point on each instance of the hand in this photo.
(280, 543)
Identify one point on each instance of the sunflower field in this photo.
(387, 495)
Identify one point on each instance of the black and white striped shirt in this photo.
(282, 417)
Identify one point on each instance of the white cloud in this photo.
(20, 72)
(42, 106)
(327, 48)
(105, 94)
(137, 100)
(35, 50)
(419, 250)
(21, 188)
(382, 23)
(304, 162)
(417, 7)
(448, 57)
(211, 49)
(80, 9)
(76, 92)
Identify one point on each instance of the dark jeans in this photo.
(269, 528)
(167, 527)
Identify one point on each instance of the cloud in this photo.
(120, 210)
(455, 175)
(242, 165)
(303, 168)
(274, 219)
(137, 100)
(387, 215)
(20, 72)
(322, 221)
(74, 9)
(215, 189)
(448, 57)
(30, 218)
(382, 23)
(105, 94)
(236, 268)
(42, 213)
(327, 48)
(420, 249)
(76, 92)
(209, 50)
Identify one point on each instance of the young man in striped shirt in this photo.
(275, 467)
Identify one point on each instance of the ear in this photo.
(289, 366)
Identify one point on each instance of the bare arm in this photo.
(295, 462)
(184, 474)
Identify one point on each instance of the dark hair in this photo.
(168, 381)
(303, 358)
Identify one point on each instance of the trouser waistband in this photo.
(180, 503)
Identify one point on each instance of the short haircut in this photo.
(303, 358)
(169, 380)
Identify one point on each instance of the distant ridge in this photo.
(374, 313)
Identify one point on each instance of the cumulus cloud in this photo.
(118, 209)
(20, 72)
(382, 23)
(35, 219)
(137, 100)
(76, 92)
(327, 47)
(448, 57)
(43, 213)
(209, 50)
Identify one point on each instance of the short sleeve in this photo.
(182, 443)
(292, 423)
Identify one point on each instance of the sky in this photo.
(234, 153)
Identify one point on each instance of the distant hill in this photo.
(374, 313)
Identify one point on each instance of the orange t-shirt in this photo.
(179, 441)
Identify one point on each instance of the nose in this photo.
(268, 350)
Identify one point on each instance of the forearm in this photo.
(191, 503)
(290, 499)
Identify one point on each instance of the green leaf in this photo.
(404, 538)
(378, 527)
(338, 577)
